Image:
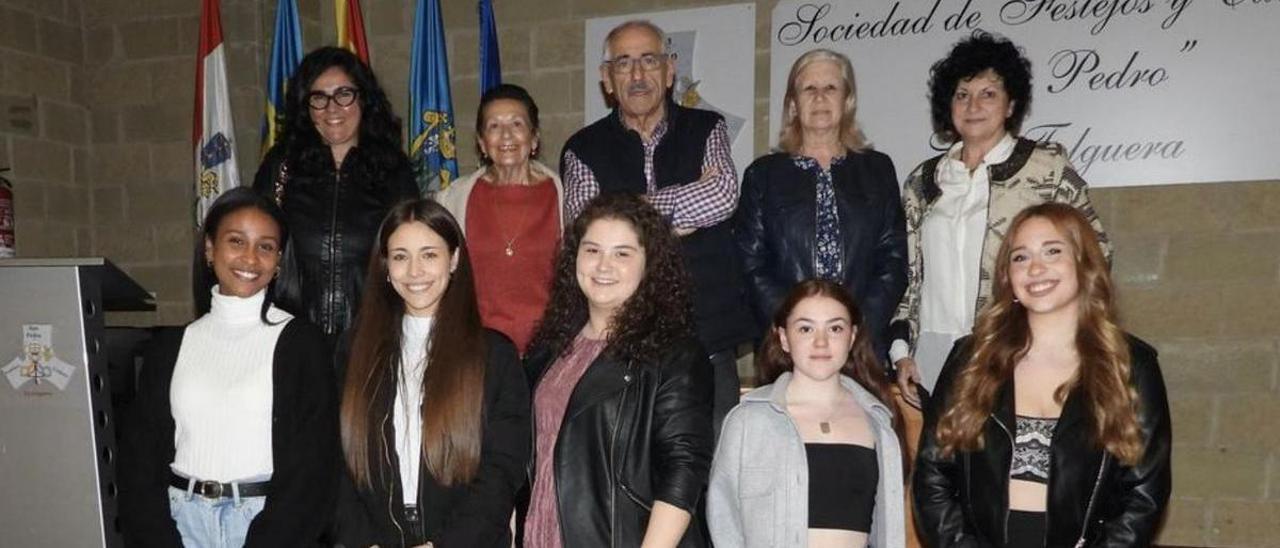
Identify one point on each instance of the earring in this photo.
(388, 278)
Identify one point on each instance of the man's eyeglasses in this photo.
(344, 97)
(648, 62)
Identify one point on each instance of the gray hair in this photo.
(634, 24)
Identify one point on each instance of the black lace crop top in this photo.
(1031, 449)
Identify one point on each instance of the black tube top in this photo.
(842, 486)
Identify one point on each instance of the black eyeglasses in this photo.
(648, 62)
(344, 97)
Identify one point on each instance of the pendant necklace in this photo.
(509, 248)
(825, 425)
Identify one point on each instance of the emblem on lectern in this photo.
(37, 364)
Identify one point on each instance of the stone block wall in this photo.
(96, 120)
(44, 125)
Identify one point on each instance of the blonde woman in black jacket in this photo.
(1051, 425)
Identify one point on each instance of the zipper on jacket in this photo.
(391, 492)
(1006, 476)
(1093, 497)
(330, 301)
(614, 473)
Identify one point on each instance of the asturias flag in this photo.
(432, 149)
(286, 54)
(490, 61)
(212, 134)
(351, 28)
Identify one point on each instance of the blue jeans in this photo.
(212, 523)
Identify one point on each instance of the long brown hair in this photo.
(453, 387)
(791, 137)
(862, 366)
(1002, 337)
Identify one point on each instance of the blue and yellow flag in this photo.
(286, 54)
(433, 149)
(490, 61)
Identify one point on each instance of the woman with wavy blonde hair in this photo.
(1051, 425)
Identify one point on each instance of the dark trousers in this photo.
(724, 365)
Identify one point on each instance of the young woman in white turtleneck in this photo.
(435, 409)
(232, 440)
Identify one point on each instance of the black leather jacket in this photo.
(1093, 499)
(632, 434)
(333, 218)
(775, 229)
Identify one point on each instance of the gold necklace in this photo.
(509, 243)
(825, 425)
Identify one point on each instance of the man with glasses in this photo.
(679, 158)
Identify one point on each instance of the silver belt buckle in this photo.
(209, 489)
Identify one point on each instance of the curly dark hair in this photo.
(510, 92)
(968, 58)
(657, 314)
(380, 143)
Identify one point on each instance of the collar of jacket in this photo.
(1073, 410)
(1002, 171)
(606, 375)
(776, 396)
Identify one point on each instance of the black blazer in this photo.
(775, 230)
(304, 445)
(633, 434)
(963, 500)
(477, 514)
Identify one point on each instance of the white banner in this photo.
(715, 66)
(1142, 92)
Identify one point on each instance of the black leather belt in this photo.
(215, 490)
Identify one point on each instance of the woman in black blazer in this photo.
(435, 408)
(824, 206)
(245, 454)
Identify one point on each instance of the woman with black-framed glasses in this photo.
(336, 169)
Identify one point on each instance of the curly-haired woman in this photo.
(337, 169)
(958, 203)
(1050, 427)
(623, 389)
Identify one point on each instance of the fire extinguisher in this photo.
(7, 248)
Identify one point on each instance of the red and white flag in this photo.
(212, 135)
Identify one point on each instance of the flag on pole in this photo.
(212, 135)
(432, 149)
(490, 60)
(286, 54)
(351, 28)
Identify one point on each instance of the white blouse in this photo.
(408, 406)
(952, 237)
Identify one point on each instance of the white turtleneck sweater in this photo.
(414, 332)
(221, 395)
